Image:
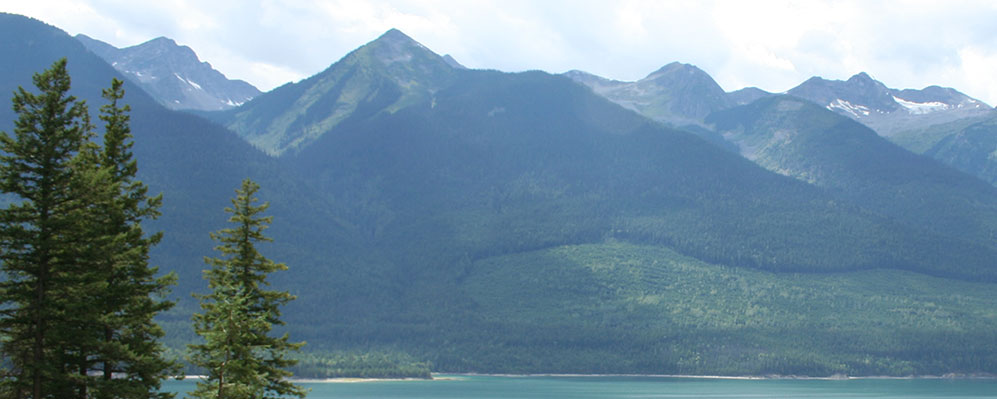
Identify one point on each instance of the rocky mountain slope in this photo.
(173, 74)
(886, 110)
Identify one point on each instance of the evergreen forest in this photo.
(404, 216)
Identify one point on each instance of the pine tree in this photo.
(40, 243)
(79, 296)
(242, 359)
(129, 357)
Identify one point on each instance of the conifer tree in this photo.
(129, 357)
(78, 297)
(242, 359)
(39, 239)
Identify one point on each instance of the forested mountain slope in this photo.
(679, 94)
(803, 140)
(197, 165)
(387, 74)
(519, 222)
(970, 149)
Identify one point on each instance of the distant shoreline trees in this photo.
(78, 299)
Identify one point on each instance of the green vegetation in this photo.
(922, 139)
(625, 308)
(970, 149)
(643, 309)
(78, 296)
(511, 223)
(388, 74)
(242, 359)
(368, 364)
(130, 296)
(484, 175)
(854, 165)
(677, 94)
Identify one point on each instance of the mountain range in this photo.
(538, 223)
(682, 94)
(173, 74)
(888, 111)
(939, 122)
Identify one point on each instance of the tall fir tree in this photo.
(130, 359)
(242, 359)
(78, 300)
(39, 244)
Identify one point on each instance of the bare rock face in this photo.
(174, 75)
(889, 111)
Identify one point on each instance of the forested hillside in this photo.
(519, 222)
(808, 142)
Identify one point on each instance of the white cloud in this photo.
(272, 75)
(773, 44)
(978, 70)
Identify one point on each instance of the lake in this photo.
(459, 386)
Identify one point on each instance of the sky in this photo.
(774, 45)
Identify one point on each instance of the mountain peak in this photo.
(165, 44)
(163, 47)
(675, 67)
(394, 46)
(397, 37)
(162, 40)
(580, 75)
(677, 93)
(863, 79)
(887, 110)
(859, 77)
(396, 72)
(173, 74)
(747, 95)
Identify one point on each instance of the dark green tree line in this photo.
(242, 359)
(79, 296)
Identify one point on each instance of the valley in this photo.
(483, 221)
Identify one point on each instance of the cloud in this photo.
(976, 73)
(272, 75)
(773, 44)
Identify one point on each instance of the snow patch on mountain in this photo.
(856, 110)
(189, 82)
(150, 64)
(917, 108)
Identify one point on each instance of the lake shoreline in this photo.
(456, 376)
(950, 376)
(484, 387)
(344, 380)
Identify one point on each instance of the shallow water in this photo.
(640, 387)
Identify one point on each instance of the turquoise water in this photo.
(640, 387)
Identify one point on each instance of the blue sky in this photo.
(773, 45)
